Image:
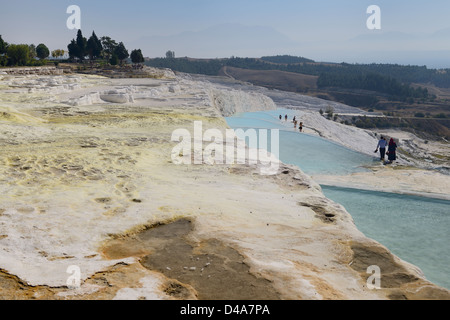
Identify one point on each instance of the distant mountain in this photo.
(401, 41)
(384, 37)
(226, 40)
(432, 50)
(442, 34)
(219, 41)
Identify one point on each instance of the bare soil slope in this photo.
(275, 79)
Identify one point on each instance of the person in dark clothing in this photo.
(392, 156)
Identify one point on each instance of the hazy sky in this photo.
(322, 28)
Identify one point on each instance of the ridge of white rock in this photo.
(230, 102)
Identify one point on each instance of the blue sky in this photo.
(322, 28)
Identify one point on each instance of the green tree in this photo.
(121, 52)
(170, 55)
(94, 47)
(77, 47)
(109, 47)
(42, 51)
(18, 54)
(114, 60)
(3, 46)
(73, 50)
(136, 56)
(58, 53)
(81, 44)
(32, 51)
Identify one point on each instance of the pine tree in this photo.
(94, 47)
(81, 44)
(121, 52)
(3, 46)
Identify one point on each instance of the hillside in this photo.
(274, 79)
(408, 95)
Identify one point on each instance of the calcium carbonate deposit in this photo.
(92, 205)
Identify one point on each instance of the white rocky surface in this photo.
(78, 170)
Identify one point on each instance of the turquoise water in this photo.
(416, 229)
(312, 154)
(413, 228)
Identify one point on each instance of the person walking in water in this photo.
(300, 127)
(392, 156)
(280, 116)
(382, 147)
(285, 118)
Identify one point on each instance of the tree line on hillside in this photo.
(206, 67)
(373, 82)
(405, 74)
(286, 59)
(79, 50)
(211, 66)
(390, 79)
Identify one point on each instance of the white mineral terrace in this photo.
(86, 160)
